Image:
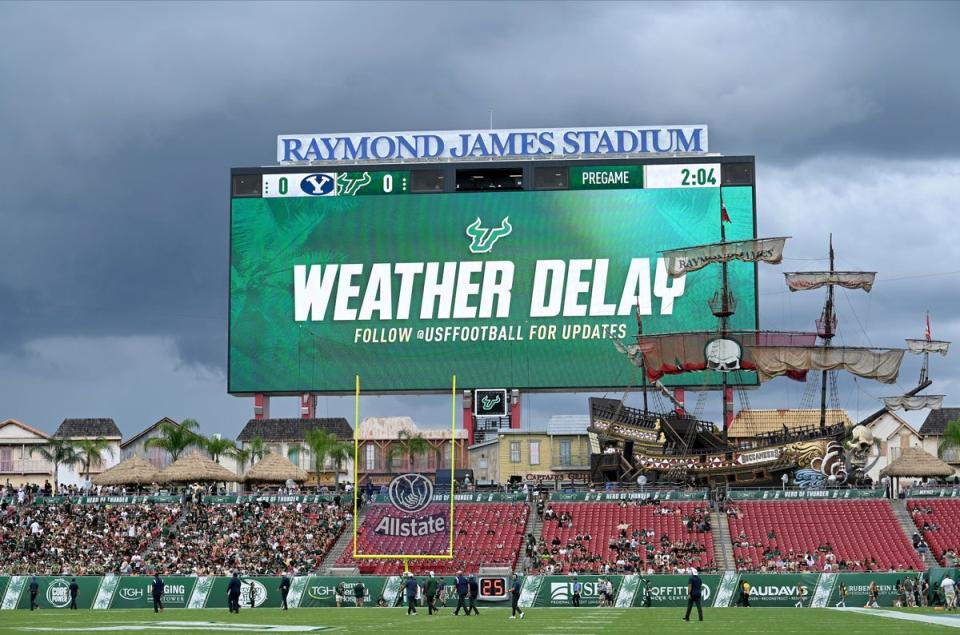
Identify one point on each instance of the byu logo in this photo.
(489, 403)
(318, 184)
(482, 240)
(410, 492)
(349, 186)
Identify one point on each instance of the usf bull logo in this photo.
(349, 185)
(489, 402)
(483, 239)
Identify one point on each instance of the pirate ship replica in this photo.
(668, 443)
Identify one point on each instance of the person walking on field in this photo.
(474, 593)
(462, 588)
(802, 591)
(949, 593)
(233, 594)
(577, 590)
(694, 595)
(873, 594)
(515, 597)
(34, 590)
(74, 590)
(745, 594)
(411, 587)
(284, 590)
(431, 592)
(157, 593)
(842, 592)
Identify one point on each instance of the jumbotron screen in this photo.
(339, 274)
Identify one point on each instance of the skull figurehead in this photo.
(723, 355)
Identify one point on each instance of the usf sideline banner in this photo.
(719, 591)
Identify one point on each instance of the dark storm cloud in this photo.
(119, 122)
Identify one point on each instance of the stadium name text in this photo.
(476, 289)
(518, 143)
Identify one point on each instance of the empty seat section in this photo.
(861, 535)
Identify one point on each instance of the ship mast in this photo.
(826, 332)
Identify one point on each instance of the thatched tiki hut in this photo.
(916, 463)
(196, 468)
(273, 468)
(133, 471)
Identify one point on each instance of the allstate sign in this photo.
(548, 143)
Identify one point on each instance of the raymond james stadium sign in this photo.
(523, 143)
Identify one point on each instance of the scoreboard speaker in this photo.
(736, 174)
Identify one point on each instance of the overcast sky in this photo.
(119, 123)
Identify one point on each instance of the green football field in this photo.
(545, 621)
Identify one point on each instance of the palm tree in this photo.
(409, 446)
(295, 450)
(951, 438)
(241, 455)
(257, 449)
(175, 438)
(59, 452)
(90, 452)
(216, 446)
(325, 445)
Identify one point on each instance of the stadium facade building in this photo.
(379, 435)
(81, 429)
(135, 445)
(891, 434)
(17, 465)
(556, 451)
(932, 431)
(287, 437)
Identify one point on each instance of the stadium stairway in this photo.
(343, 542)
(909, 528)
(534, 525)
(722, 544)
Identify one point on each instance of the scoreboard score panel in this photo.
(308, 184)
(359, 272)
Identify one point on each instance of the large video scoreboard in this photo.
(503, 273)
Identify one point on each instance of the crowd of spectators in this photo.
(254, 538)
(80, 539)
(188, 537)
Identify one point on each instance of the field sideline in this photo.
(542, 621)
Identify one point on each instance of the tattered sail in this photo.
(680, 261)
(881, 365)
(919, 347)
(676, 353)
(807, 280)
(917, 402)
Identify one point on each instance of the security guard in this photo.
(233, 594)
(157, 593)
(284, 590)
(74, 590)
(474, 592)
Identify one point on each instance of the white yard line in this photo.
(939, 620)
